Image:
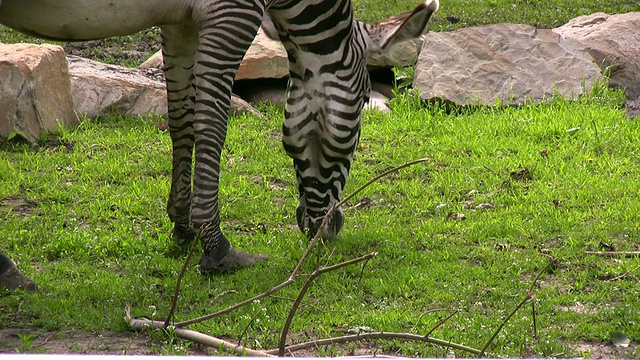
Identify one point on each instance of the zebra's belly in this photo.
(90, 19)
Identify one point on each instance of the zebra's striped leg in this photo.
(179, 45)
(226, 31)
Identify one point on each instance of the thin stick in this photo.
(47, 339)
(174, 301)
(504, 322)
(533, 314)
(413, 329)
(234, 307)
(528, 296)
(375, 335)
(378, 177)
(362, 271)
(329, 213)
(614, 253)
(441, 322)
(552, 262)
(304, 257)
(246, 328)
(319, 271)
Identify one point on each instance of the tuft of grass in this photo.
(84, 216)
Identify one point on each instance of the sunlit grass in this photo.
(85, 217)
(94, 232)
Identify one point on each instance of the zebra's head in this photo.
(329, 85)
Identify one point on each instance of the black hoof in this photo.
(234, 260)
(13, 279)
(310, 226)
(183, 235)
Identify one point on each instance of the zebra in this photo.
(203, 42)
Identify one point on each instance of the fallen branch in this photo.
(441, 322)
(422, 315)
(319, 271)
(375, 335)
(614, 253)
(138, 324)
(306, 254)
(235, 306)
(528, 297)
(194, 336)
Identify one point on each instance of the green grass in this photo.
(541, 13)
(85, 217)
(92, 229)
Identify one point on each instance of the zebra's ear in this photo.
(407, 26)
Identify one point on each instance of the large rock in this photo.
(99, 88)
(614, 42)
(512, 63)
(265, 59)
(35, 90)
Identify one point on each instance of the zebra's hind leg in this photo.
(179, 46)
(11, 278)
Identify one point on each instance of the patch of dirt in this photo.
(72, 341)
(596, 350)
(17, 205)
(118, 50)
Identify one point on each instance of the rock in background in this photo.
(507, 63)
(35, 88)
(511, 64)
(614, 43)
(501, 63)
(99, 88)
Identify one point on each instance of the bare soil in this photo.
(71, 341)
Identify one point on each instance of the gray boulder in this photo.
(614, 42)
(99, 88)
(505, 63)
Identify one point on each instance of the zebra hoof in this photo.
(234, 260)
(310, 226)
(12, 278)
(183, 235)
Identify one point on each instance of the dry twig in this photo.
(174, 301)
(375, 335)
(319, 271)
(528, 297)
(138, 324)
(614, 253)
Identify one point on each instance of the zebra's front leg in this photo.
(225, 35)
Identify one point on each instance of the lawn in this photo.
(505, 191)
